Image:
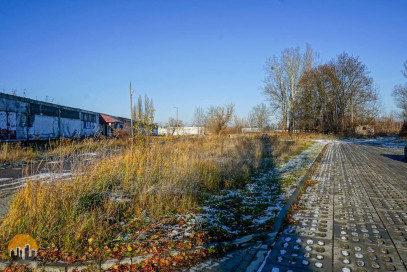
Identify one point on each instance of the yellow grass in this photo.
(156, 175)
(12, 152)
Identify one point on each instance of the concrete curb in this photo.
(254, 252)
(262, 252)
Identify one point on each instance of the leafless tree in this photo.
(336, 96)
(275, 89)
(355, 86)
(404, 71)
(310, 58)
(219, 117)
(388, 124)
(139, 110)
(400, 94)
(172, 125)
(259, 116)
(282, 81)
(148, 110)
(239, 123)
(292, 62)
(199, 117)
(144, 111)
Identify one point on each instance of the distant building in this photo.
(23, 119)
(181, 131)
(365, 130)
(252, 130)
(109, 125)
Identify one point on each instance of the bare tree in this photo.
(336, 96)
(199, 117)
(148, 110)
(292, 62)
(239, 123)
(310, 57)
(356, 87)
(282, 81)
(172, 125)
(275, 89)
(219, 117)
(259, 116)
(400, 96)
(144, 111)
(140, 110)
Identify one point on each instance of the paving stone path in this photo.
(352, 218)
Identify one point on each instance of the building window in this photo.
(88, 117)
(88, 124)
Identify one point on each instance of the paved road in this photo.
(354, 218)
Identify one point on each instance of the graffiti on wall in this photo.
(8, 125)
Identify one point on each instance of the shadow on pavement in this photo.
(400, 158)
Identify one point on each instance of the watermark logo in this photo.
(23, 246)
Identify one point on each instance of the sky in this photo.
(192, 53)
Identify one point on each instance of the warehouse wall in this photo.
(26, 119)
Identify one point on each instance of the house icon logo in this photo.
(22, 246)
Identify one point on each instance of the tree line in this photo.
(400, 94)
(400, 97)
(306, 94)
(331, 97)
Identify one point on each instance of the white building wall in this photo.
(17, 122)
(43, 127)
(251, 130)
(162, 131)
(13, 117)
(70, 127)
(181, 131)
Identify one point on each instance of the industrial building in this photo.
(24, 119)
(181, 131)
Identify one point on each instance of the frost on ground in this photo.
(252, 209)
(389, 142)
(226, 216)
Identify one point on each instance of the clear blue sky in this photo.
(185, 53)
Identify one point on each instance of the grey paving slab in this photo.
(354, 217)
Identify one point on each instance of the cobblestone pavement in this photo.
(354, 218)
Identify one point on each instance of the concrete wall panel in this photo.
(70, 127)
(43, 127)
(3, 120)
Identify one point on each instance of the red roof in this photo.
(103, 118)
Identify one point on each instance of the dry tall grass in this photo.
(159, 177)
(12, 152)
(16, 152)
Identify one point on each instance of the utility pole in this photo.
(131, 112)
(177, 119)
